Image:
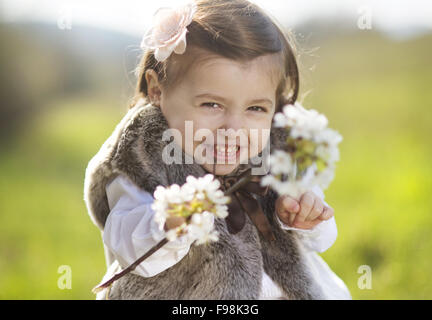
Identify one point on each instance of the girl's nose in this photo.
(234, 122)
(234, 128)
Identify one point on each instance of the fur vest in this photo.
(230, 268)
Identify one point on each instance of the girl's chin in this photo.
(221, 169)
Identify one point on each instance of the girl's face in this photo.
(223, 110)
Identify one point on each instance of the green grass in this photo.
(383, 216)
(44, 220)
(374, 92)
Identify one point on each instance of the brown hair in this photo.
(233, 29)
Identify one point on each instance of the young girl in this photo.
(217, 65)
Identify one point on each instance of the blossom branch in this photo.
(195, 202)
(309, 153)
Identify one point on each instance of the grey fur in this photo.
(230, 268)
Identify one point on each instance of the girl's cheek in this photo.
(258, 141)
(264, 138)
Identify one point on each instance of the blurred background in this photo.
(67, 76)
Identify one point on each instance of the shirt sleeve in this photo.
(322, 236)
(130, 230)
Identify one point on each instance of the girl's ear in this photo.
(153, 87)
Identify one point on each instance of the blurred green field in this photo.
(374, 92)
(44, 220)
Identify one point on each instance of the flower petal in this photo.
(147, 40)
(162, 53)
(162, 14)
(168, 31)
(181, 45)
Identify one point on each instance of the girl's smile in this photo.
(223, 154)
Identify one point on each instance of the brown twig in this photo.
(132, 267)
(238, 185)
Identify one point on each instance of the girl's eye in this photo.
(257, 108)
(211, 105)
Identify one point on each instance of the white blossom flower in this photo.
(172, 234)
(303, 123)
(168, 31)
(325, 177)
(279, 120)
(221, 211)
(313, 150)
(209, 187)
(280, 162)
(199, 200)
(328, 136)
(201, 228)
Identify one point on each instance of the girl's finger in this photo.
(316, 211)
(291, 218)
(290, 204)
(306, 204)
(327, 213)
(307, 225)
(173, 222)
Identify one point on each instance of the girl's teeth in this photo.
(228, 150)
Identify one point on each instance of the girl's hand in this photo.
(173, 222)
(303, 214)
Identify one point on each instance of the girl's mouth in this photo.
(226, 154)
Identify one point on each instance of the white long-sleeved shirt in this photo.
(130, 231)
